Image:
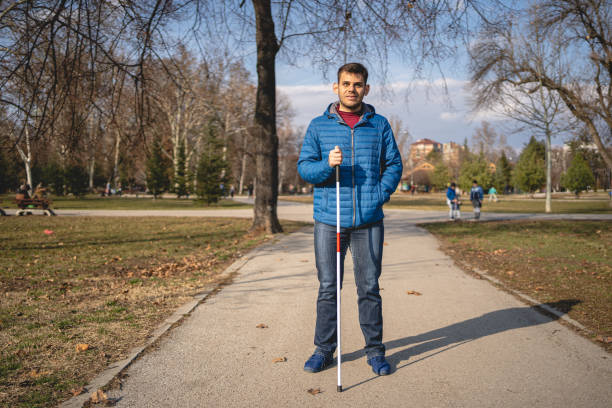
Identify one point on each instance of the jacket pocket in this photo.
(381, 199)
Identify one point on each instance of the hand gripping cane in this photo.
(338, 302)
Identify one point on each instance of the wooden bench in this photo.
(26, 204)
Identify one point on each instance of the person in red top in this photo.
(350, 130)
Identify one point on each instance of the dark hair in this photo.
(354, 68)
(453, 185)
(474, 181)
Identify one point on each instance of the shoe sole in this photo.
(313, 371)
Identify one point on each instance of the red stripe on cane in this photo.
(337, 242)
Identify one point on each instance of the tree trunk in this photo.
(116, 158)
(548, 170)
(266, 140)
(27, 160)
(92, 168)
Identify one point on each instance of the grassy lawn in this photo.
(551, 261)
(511, 204)
(103, 282)
(94, 202)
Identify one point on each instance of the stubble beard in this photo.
(351, 107)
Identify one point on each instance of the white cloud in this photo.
(449, 115)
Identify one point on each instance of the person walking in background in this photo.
(492, 194)
(476, 197)
(352, 136)
(452, 199)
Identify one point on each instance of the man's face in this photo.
(351, 89)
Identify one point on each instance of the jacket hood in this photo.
(332, 109)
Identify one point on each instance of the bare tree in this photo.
(55, 49)
(579, 34)
(330, 33)
(485, 141)
(402, 135)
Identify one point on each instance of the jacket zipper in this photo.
(353, 173)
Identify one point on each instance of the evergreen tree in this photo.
(77, 180)
(503, 173)
(6, 182)
(181, 179)
(475, 167)
(53, 176)
(157, 170)
(211, 168)
(578, 176)
(530, 171)
(441, 176)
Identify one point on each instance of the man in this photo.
(476, 197)
(452, 199)
(351, 135)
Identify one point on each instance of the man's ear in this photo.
(335, 87)
(367, 90)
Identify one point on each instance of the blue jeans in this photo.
(366, 245)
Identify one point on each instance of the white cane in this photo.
(338, 302)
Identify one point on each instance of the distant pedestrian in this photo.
(476, 197)
(452, 199)
(492, 194)
(232, 191)
(250, 188)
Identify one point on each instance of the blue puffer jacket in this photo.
(370, 171)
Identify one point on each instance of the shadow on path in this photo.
(457, 334)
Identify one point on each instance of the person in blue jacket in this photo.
(351, 135)
(452, 199)
(476, 197)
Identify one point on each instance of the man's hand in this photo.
(335, 157)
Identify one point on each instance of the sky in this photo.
(424, 108)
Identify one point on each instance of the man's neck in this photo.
(343, 108)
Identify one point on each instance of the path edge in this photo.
(112, 371)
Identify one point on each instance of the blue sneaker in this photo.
(380, 365)
(318, 362)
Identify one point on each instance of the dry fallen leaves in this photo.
(98, 396)
(605, 340)
(413, 292)
(82, 347)
(279, 360)
(314, 391)
(77, 391)
(262, 326)
(510, 273)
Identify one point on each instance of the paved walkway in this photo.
(463, 343)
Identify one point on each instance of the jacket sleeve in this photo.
(392, 163)
(312, 163)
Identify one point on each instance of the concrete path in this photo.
(463, 343)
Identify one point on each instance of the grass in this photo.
(551, 261)
(104, 282)
(94, 202)
(506, 204)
